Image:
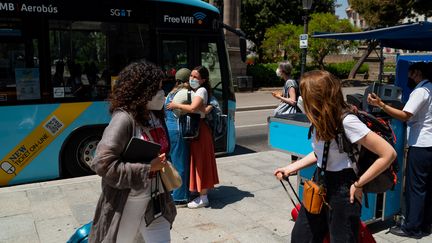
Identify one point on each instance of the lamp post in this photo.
(307, 4)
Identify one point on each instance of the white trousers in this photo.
(133, 220)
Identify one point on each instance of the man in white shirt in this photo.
(417, 112)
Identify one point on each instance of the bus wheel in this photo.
(79, 152)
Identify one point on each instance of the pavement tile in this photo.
(18, 228)
(49, 209)
(55, 230)
(13, 203)
(83, 212)
(258, 234)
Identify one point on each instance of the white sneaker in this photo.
(199, 202)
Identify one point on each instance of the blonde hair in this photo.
(323, 102)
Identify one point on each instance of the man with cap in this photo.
(179, 149)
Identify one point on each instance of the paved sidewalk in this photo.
(248, 205)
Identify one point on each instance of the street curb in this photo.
(259, 107)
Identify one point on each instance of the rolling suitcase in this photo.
(81, 234)
(365, 235)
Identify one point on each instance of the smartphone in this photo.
(376, 88)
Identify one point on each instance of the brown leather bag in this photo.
(313, 196)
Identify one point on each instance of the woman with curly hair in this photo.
(203, 169)
(136, 108)
(324, 106)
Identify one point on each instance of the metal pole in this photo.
(304, 53)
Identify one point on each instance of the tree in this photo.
(319, 48)
(382, 13)
(281, 43)
(422, 7)
(259, 15)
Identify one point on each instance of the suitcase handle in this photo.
(292, 188)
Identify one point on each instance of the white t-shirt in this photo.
(202, 92)
(336, 161)
(420, 124)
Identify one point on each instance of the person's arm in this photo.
(401, 115)
(108, 164)
(194, 107)
(304, 162)
(386, 155)
(292, 95)
(207, 109)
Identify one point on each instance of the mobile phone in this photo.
(375, 88)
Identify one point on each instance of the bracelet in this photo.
(383, 106)
(354, 184)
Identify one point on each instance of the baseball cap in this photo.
(183, 75)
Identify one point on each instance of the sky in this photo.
(340, 11)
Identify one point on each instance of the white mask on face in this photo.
(194, 83)
(278, 72)
(157, 102)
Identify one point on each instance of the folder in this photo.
(140, 151)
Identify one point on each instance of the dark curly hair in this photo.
(137, 84)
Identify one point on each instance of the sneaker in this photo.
(198, 202)
(399, 231)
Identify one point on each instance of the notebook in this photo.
(141, 151)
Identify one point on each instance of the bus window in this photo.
(86, 57)
(19, 72)
(210, 60)
(174, 57)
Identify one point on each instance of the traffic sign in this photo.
(303, 41)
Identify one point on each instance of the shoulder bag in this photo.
(170, 177)
(314, 192)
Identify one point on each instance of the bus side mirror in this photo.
(242, 44)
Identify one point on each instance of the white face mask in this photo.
(278, 72)
(157, 102)
(194, 83)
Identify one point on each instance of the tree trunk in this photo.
(371, 46)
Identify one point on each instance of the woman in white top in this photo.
(203, 170)
(324, 106)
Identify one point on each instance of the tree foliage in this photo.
(319, 48)
(282, 41)
(259, 15)
(382, 13)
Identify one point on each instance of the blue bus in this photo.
(59, 61)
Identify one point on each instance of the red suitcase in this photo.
(365, 235)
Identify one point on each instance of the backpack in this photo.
(216, 120)
(388, 178)
(364, 158)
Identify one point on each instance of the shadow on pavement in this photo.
(238, 150)
(225, 195)
(381, 225)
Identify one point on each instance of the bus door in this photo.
(178, 52)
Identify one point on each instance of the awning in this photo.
(413, 36)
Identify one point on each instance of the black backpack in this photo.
(364, 158)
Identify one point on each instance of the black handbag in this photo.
(156, 205)
(189, 123)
